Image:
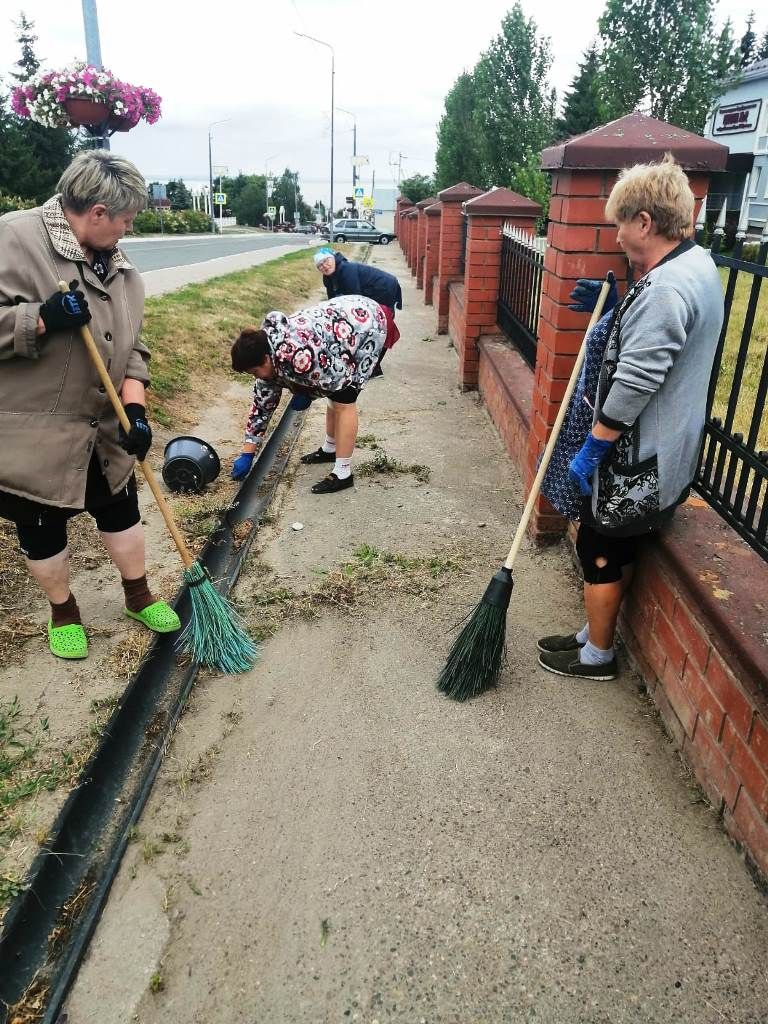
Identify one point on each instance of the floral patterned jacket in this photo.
(316, 352)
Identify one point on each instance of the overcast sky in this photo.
(395, 61)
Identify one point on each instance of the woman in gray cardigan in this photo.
(637, 464)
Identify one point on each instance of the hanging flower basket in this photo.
(84, 96)
(82, 112)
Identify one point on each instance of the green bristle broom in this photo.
(477, 654)
(214, 635)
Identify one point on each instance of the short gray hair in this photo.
(98, 176)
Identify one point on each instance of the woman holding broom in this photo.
(63, 451)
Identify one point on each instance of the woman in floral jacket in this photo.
(327, 351)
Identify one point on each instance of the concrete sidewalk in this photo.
(347, 845)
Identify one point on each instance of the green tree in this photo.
(515, 111)
(179, 195)
(249, 203)
(418, 187)
(32, 157)
(286, 193)
(748, 43)
(663, 58)
(456, 158)
(762, 50)
(583, 108)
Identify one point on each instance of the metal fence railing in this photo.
(522, 268)
(733, 468)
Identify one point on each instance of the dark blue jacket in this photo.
(360, 279)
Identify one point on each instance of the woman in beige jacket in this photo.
(62, 450)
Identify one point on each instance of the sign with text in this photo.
(735, 118)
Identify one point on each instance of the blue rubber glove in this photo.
(585, 462)
(587, 289)
(242, 465)
(301, 402)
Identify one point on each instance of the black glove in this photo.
(139, 440)
(65, 310)
(586, 293)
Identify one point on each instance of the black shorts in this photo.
(347, 395)
(618, 552)
(42, 529)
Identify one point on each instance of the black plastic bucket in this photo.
(189, 464)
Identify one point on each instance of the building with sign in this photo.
(740, 121)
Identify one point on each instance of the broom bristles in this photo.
(477, 655)
(214, 634)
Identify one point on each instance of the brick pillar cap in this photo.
(404, 201)
(459, 193)
(634, 139)
(423, 203)
(433, 210)
(412, 212)
(502, 202)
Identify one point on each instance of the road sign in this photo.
(367, 202)
(220, 198)
(272, 211)
(359, 161)
(359, 192)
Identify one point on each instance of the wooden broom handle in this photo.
(145, 467)
(536, 486)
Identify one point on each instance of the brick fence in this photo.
(694, 622)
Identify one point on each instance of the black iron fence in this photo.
(733, 469)
(522, 268)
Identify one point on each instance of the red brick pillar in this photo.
(486, 216)
(401, 228)
(449, 256)
(401, 204)
(432, 250)
(582, 244)
(421, 238)
(407, 235)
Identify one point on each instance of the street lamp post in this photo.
(354, 149)
(210, 172)
(333, 79)
(266, 186)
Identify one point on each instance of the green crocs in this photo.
(67, 641)
(159, 617)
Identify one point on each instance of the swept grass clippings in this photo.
(30, 1009)
(367, 441)
(362, 580)
(382, 465)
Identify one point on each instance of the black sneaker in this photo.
(566, 663)
(554, 644)
(319, 456)
(331, 484)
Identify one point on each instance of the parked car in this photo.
(357, 231)
(306, 229)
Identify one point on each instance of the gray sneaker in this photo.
(554, 644)
(566, 663)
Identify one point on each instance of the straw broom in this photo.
(477, 654)
(214, 635)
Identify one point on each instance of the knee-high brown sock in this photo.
(65, 614)
(137, 594)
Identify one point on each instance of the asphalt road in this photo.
(161, 253)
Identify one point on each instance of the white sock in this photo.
(583, 635)
(591, 655)
(342, 468)
(329, 444)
